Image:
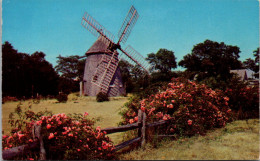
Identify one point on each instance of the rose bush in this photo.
(191, 107)
(65, 137)
(244, 100)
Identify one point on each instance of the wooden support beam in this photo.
(126, 143)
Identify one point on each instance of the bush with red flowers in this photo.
(65, 137)
(191, 107)
(244, 100)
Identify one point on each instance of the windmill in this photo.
(101, 73)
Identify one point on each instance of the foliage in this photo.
(133, 77)
(67, 85)
(27, 75)
(162, 77)
(62, 97)
(250, 64)
(216, 82)
(125, 70)
(164, 60)
(71, 71)
(192, 108)
(212, 59)
(253, 64)
(70, 67)
(101, 97)
(65, 137)
(243, 98)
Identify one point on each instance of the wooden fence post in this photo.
(140, 115)
(37, 134)
(143, 130)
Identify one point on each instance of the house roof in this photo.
(244, 74)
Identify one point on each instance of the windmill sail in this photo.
(128, 25)
(96, 29)
(135, 57)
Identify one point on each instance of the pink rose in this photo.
(20, 136)
(85, 114)
(51, 136)
(48, 126)
(189, 122)
(131, 121)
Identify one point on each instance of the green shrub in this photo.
(62, 97)
(101, 97)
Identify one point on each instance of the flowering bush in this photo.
(192, 108)
(65, 137)
(244, 100)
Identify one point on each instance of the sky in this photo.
(54, 26)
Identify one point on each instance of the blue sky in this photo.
(54, 26)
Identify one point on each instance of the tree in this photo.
(256, 55)
(213, 59)
(70, 67)
(12, 67)
(249, 64)
(125, 70)
(26, 75)
(164, 60)
(162, 64)
(253, 64)
(44, 77)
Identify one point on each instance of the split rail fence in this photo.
(38, 142)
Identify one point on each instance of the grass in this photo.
(106, 113)
(238, 140)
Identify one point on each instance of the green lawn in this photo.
(238, 140)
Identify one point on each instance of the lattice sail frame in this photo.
(96, 29)
(128, 25)
(136, 59)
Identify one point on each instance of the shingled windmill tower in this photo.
(101, 72)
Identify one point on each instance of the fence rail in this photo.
(121, 128)
(38, 142)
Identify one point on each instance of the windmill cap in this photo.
(98, 47)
